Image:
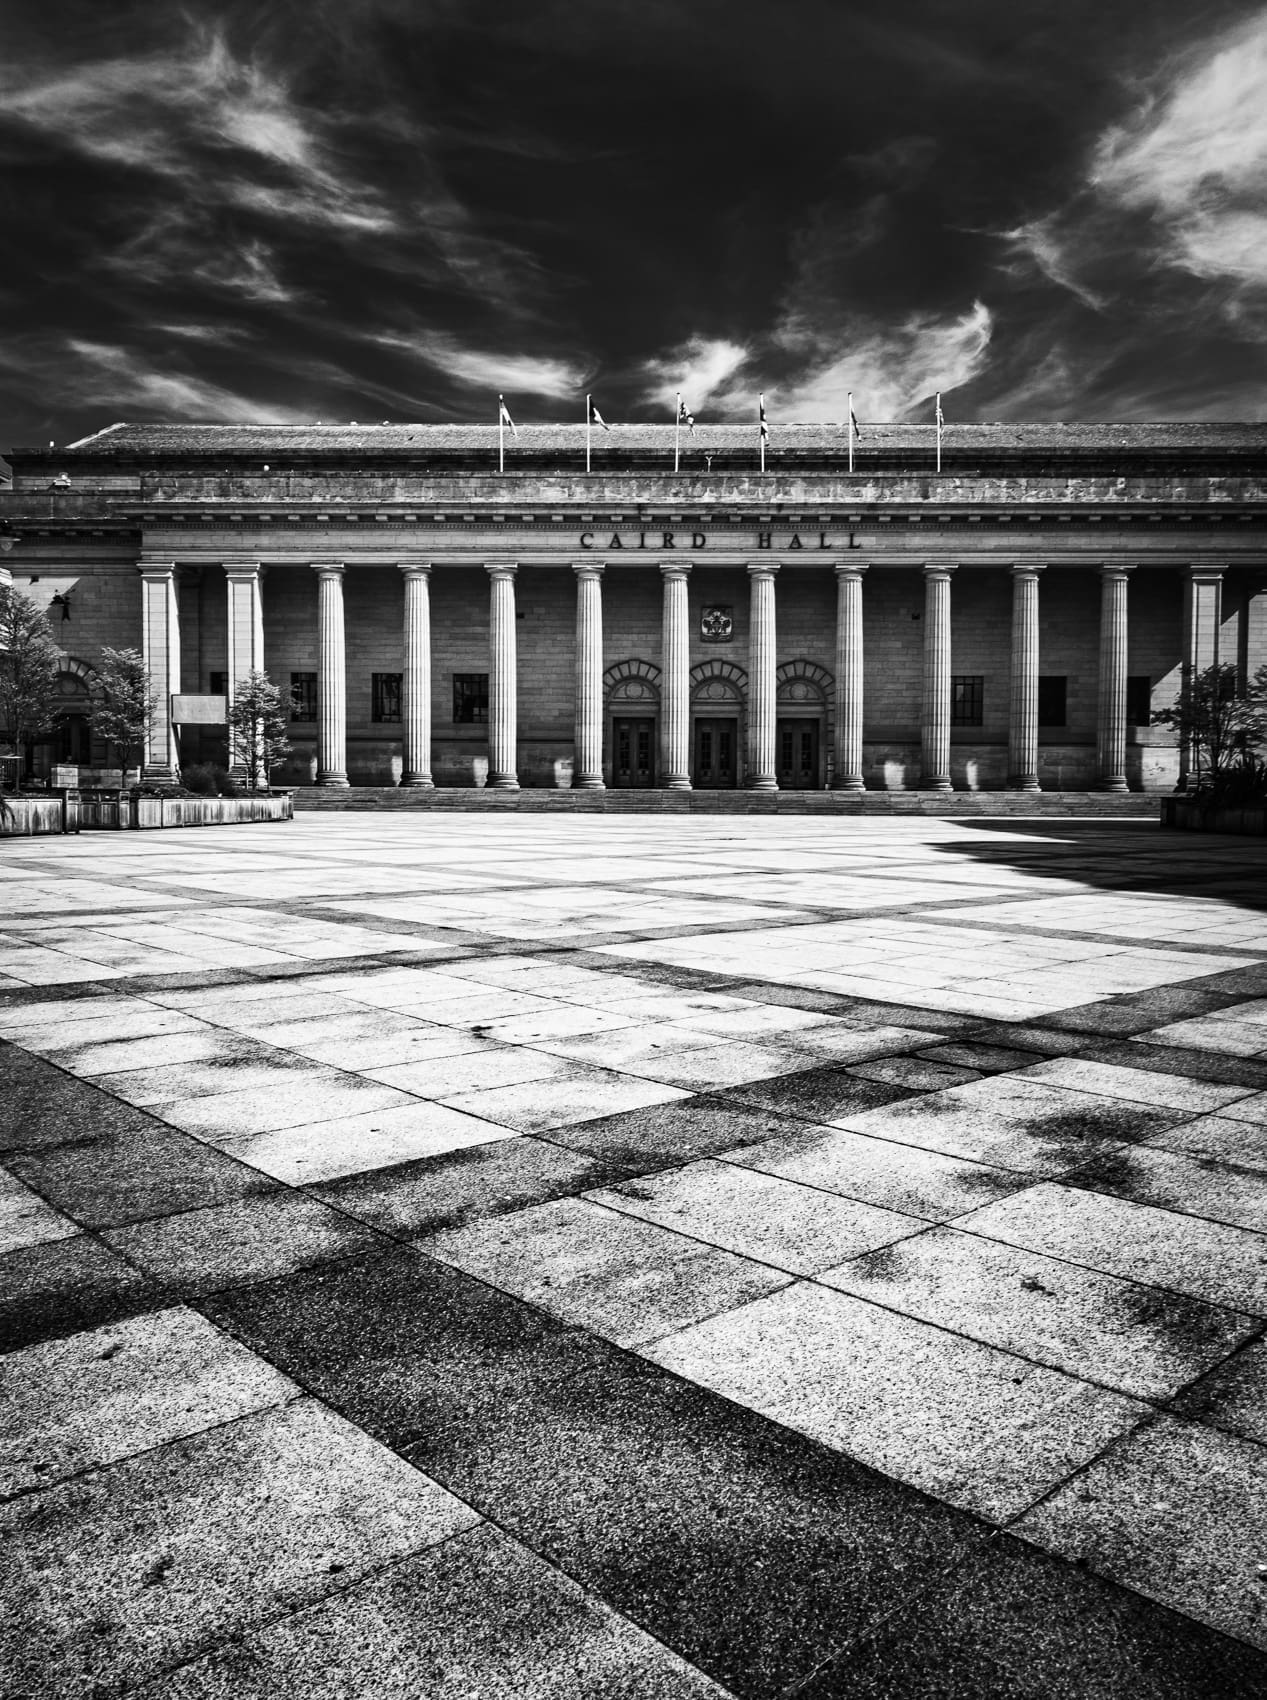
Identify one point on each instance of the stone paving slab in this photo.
(597, 1255)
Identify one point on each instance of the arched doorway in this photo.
(70, 741)
(805, 695)
(719, 692)
(632, 692)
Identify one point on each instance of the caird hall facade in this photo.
(1016, 619)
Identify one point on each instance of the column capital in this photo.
(156, 569)
(415, 569)
(328, 569)
(851, 569)
(501, 569)
(588, 569)
(1028, 569)
(1199, 572)
(676, 569)
(762, 569)
(939, 569)
(1116, 569)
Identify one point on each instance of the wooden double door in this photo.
(716, 766)
(796, 754)
(633, 752)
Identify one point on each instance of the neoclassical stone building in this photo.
(1015, 619)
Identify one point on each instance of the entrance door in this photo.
(716, 745)
(633, 754)
(796, 755)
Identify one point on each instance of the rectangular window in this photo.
(1139, 700)
(1053, 695)
(385, 696)
(967, 699)
(219, 684)
(303, 696)
(470, 699)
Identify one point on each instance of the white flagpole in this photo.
(588, 410)
(501, 433)
(851, 430)
(939, 430)
(760, 427)
(677, 432)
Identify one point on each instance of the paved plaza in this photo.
(501, 1255)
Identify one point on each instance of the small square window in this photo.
(385, 696)
(470, 699)
(303, 696)
(1053, 699)
(967, 699)
(1139, 700)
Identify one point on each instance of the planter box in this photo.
(1185, 816)
(210, 811)
(22, 817)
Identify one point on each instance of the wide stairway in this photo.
(1087, 804)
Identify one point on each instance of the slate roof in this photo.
(963, 442)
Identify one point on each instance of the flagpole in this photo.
(588, 407)
(501, 433)
(760, 425)
(851, 430)
(939, 430)
(677, 432)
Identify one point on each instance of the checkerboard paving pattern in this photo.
(478, 1255)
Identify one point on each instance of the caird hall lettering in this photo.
(670, 540)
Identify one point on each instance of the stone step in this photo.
(1085, 804)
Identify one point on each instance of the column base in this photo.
(1115, 782)
(332, 781)
(163, 771)
(588, 782)
(851, 782)
(940, 782)
(762, 782)
(502, 782)
(416, 782)
(676, 784)
(1024, 782)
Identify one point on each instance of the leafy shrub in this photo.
(199, 779)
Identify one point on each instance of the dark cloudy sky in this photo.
(367, 209)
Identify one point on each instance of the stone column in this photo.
(675, 704)
(1202, 617)
(1110, 728)
(332, 690)
(1022, 728)
(847, 754)
(160, 643)
(502, 683)
(762, 682)
(415, 678)
(935, 723)
(587, 771)
(244, 649)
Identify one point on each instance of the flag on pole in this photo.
(504, 416)
(762, 427)
(596, 417)
(685, 416)
(941, 422)
(503, 419)
(853, 429)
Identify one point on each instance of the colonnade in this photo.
(245, 651)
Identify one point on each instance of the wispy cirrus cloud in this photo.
(488, 369)
(700, 369)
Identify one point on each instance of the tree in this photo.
(258, 723)
(126, 703)
(1221, 724)
(29, 659)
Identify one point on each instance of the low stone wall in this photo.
(1185, 816)
(89, 811)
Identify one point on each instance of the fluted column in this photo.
(160, 640)
(847, 754)
(935, 720)
(1202, 618)
(415, 679)
(762, 680)
(675, 704)
(503, 686)
(587, 771)
(1110, 726)
(244, 650)
(1022, 726)
(332, 689)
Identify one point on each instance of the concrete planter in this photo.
(114, 811)
(22, 817)
(1191, 816)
